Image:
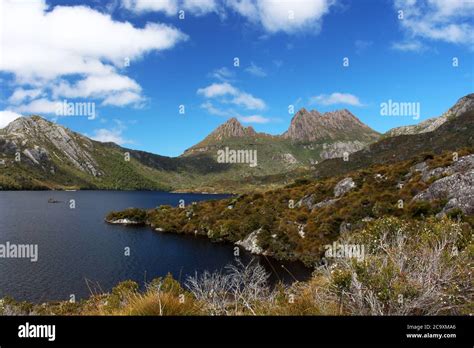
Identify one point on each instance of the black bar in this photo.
(289, 331)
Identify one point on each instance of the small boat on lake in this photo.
(52, 200)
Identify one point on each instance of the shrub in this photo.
(410, 268)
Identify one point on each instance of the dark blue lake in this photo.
(75, 245)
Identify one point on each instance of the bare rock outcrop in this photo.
(454, 183)
(344, 186)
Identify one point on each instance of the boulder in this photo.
(344, 186)
(458, 188)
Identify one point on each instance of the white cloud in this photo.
(255, 70)
(20, 95)
(7, 116)
(96, 85)
(114, 89)
(42, 45)
(335, 98)
(239, 98)
(124, 98)
(109, 135)
(114, 135)
(38, 106)
(253, 119)
(273, 15)
(248, 101)
(171, 7)
(439, 20)
(213, 110)
(287, 16)
(218, 90)
(199, 7)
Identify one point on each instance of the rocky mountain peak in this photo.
(232, 129)
(27, 125)
(314, 126)
(464, 104)
(39, 139)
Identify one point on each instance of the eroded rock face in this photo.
(313, 126)
(344, 186)
(37, 155)
(455, 183)
(39, 140)
(458, 188)
(337, 149)
(462, 165)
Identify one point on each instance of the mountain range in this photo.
(38, 154)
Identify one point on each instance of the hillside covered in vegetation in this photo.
(296, 222)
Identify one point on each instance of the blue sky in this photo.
(290, 53)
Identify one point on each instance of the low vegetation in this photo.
(288, 229)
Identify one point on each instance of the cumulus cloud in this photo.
(272, 15)
(38, 106)
(438, 20)
(19, 95)
(78, 42)
(248, 101)
(238, 97)
(285, 16)
(114, 135)
(7, 116)
(218, 90)
(335, 98)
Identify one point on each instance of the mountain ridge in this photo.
(54, 157)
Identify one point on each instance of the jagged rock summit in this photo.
(312, 126)
(38, 140)
(232, 129)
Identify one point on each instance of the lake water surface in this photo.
(75, 245)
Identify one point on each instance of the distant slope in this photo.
(463, 105)
(453, 134)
